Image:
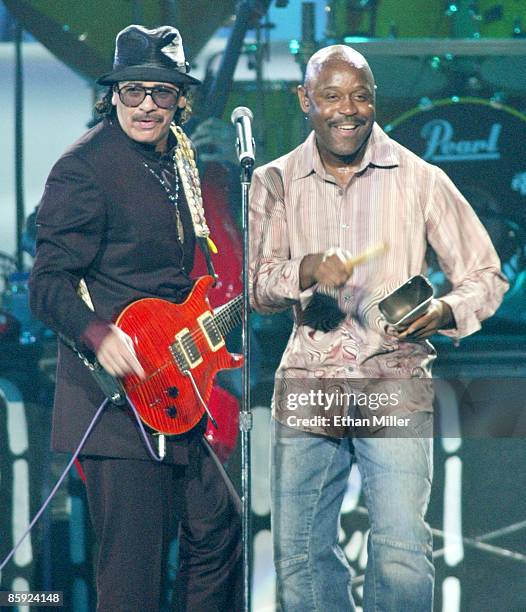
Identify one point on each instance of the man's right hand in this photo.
(116, 354)
(331, 269)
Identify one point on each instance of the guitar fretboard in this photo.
(228, 316)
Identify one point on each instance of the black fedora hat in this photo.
(149, 55)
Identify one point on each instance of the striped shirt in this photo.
(395, 198)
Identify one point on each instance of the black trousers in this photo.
(135, 507)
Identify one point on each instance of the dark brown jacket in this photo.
(105, 218)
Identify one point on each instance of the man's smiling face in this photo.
(339, 98)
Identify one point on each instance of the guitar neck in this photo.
(228, 316)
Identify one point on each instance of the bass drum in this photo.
(480, 145)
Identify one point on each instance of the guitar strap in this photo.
(189, 174)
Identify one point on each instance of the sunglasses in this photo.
(163, 97)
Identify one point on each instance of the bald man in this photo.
(347, 189)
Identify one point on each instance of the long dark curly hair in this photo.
(104, 107)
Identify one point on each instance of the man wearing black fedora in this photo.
(121, 215)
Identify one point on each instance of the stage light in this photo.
(294, 46)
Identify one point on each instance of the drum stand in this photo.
(477, 543)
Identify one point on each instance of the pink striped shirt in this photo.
(297, 208)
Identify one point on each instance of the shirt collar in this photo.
(380, 152)
(146, 150)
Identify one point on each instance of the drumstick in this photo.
(364, 256)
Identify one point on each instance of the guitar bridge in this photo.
(185, 352)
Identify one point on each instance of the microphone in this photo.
(245, 145)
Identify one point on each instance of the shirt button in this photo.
(345, 226)
(340, 192)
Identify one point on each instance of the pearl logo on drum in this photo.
(441, 145)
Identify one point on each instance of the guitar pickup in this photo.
(211, 331)
(185, 351)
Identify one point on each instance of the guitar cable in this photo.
(159, 458)
(200, 398)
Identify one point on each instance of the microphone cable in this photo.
(151, 452)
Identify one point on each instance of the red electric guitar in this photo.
(180, 347)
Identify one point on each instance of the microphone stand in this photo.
(245, 417)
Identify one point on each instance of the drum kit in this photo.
(17, 324)
(9, 325)
(479, 144)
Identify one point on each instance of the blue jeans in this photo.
(308, 481)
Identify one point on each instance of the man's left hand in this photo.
(438, 316)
